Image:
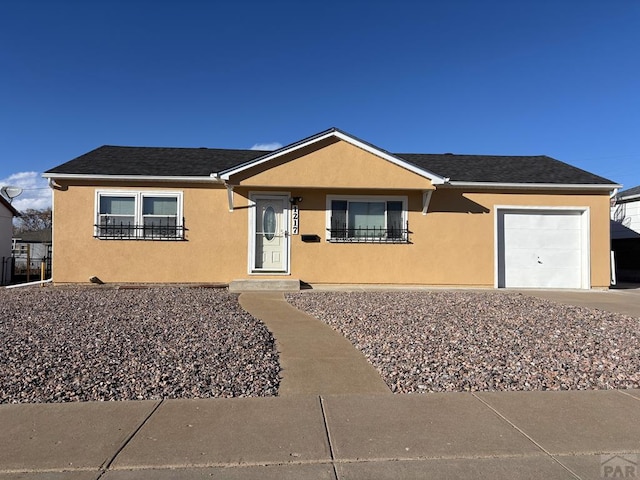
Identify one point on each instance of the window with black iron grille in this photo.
(139, 216)
(368, 221)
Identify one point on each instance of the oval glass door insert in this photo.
(269, 223)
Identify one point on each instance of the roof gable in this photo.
(329, 163)
(321, 137)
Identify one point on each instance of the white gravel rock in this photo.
(438, 341)
(80, 344)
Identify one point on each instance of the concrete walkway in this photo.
(315, 359)
(506, 435)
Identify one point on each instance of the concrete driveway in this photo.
(625, 299)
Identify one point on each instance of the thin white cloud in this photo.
(267, 146)
(35, 190)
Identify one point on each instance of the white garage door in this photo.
(542, 249)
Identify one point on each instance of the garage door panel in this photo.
(540, 249)
(538, 220)
(560, 258)
(543, 278)
(545, 239)
(552, 278)
(535, 259)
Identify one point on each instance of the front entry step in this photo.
(265, 285)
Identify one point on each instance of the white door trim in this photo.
(585, 240)
(253, 196)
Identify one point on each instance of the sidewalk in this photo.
(507, 435)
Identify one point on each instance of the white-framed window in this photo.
(367, 219)
(139, 215)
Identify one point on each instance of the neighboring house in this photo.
(7, 212)
(30, 250)
(625, 234)
(329, 209)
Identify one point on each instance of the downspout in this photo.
(53, 185)
(227, 186)
(612, 260)
(37, 282)
(613, 193)
(426, 199)
(229, 195)
(426, 195)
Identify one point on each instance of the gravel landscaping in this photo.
(79, 344)
(441, 341)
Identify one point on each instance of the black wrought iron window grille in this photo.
(157, 229)
(340, 233)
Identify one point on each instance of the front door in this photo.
(270, 232)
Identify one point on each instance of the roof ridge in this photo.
(480, 155)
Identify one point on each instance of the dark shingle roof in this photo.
(503, 169)
(186, 162)
(630, 192)
(155, 161)
(39, 236)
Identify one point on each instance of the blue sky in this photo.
(559, 78)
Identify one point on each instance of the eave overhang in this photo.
(629, 198)
(136, 178)
(333, 133)
(532, 186)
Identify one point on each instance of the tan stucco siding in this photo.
(454, 244)
(480, 231)
(337, 165)
(214, 250)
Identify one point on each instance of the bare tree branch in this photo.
(32, 220)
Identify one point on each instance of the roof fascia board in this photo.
(139, 178)
(629, 198)
(435, 179)
(529, 186)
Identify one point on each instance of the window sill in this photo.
(369, 240)
(150, 233)
(148, 239)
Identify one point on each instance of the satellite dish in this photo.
(10, 192)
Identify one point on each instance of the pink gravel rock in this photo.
(98, 343)
(440, 341)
